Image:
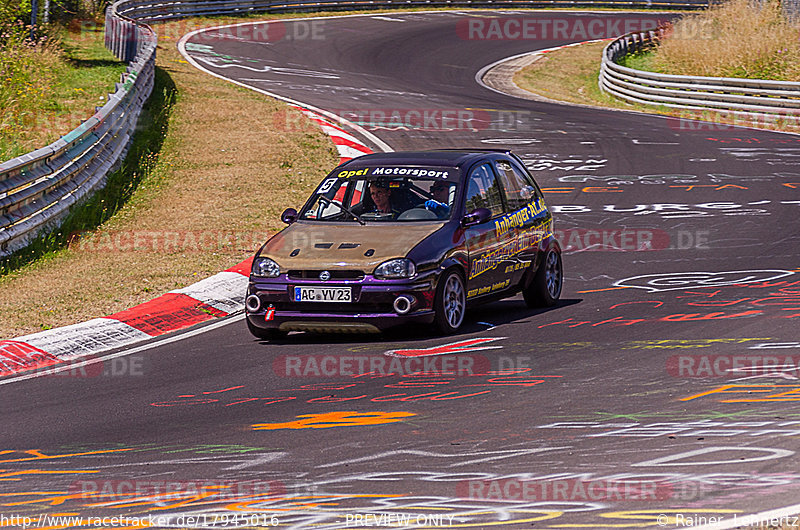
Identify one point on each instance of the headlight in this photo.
(265, 268)
(396, 268)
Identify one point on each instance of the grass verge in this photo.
(48, 90)
(120, 185)
(569, 74)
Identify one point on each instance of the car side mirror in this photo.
(527, 193)
(476, 217)
(289, 216)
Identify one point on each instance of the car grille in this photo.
(335, 274)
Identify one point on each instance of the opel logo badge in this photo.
(324, 276)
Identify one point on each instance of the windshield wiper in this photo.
(343, 207)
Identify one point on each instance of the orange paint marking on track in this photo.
(601, 290)
(39, 456)
(790, 395)
(602, 189)
(56, 497)
(349, 418)
(6, 475)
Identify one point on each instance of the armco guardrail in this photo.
(153, 11)
(779, 99)
(38, 189)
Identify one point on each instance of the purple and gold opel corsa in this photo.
(401, 237)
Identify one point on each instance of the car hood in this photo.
(337, 245)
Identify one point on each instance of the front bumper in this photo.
(371, 308)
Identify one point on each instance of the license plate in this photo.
(322, 294)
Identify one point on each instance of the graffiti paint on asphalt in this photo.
(331, 420)
(672, 281)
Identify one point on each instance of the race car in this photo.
(393, 238)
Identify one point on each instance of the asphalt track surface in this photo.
(650, 371)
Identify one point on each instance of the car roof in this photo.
(459, 158)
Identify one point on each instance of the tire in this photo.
(545, 289)
(265, 333)
(450, 303)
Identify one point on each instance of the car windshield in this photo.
(383, 199)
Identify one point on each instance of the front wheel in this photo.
(545, 289)
(450, 303)
(265, 333)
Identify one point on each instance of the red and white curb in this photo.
(218, 296)
(347, 145)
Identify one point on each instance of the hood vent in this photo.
(349, 245)
(323, 245)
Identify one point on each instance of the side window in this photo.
(516, 185)
(526, 176)
(483, 191)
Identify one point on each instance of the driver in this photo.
(381, 197)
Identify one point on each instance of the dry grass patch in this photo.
(569, 74)
(215, 192)
(738, 38)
